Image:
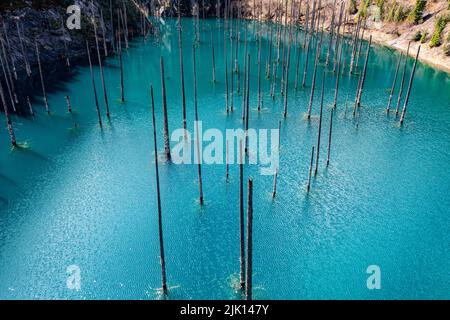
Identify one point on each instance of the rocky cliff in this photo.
(25, 24)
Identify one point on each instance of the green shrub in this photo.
(400, 13)
(380, 4)
(416, 15)
(417, 36)
(397, 12)
(447, 49)
(438, 28)
(363, 6)
(352, 7)
(423, 38)
(391, 12)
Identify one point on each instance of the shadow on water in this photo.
(111, 65)
(28, 151)
(74, 130)
(7, 180)
(56, 81)
(3, 201)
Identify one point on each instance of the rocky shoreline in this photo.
(395, 35)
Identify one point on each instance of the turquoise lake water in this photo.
(86, 196)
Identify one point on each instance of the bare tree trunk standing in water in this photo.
(158, 193)
(361, 86)
(8, 47)
(400, 92)
(405, 104)
(259, 73)
(8, 120)
(338, 75)
(22, 47)
(102, 25)
(180, 48)
(241, 216)
(248, 287)
(213, 58)
(320, 125)
(330, 42)
(93, 85)
(200, 184)
(393, 84)
(7, 81)
(105, 96)
(119, 42)
(308, 186)
(313, 84)
(166, 123)
(329, 136)
(111, 24)
(42, 78)
(125, 24)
